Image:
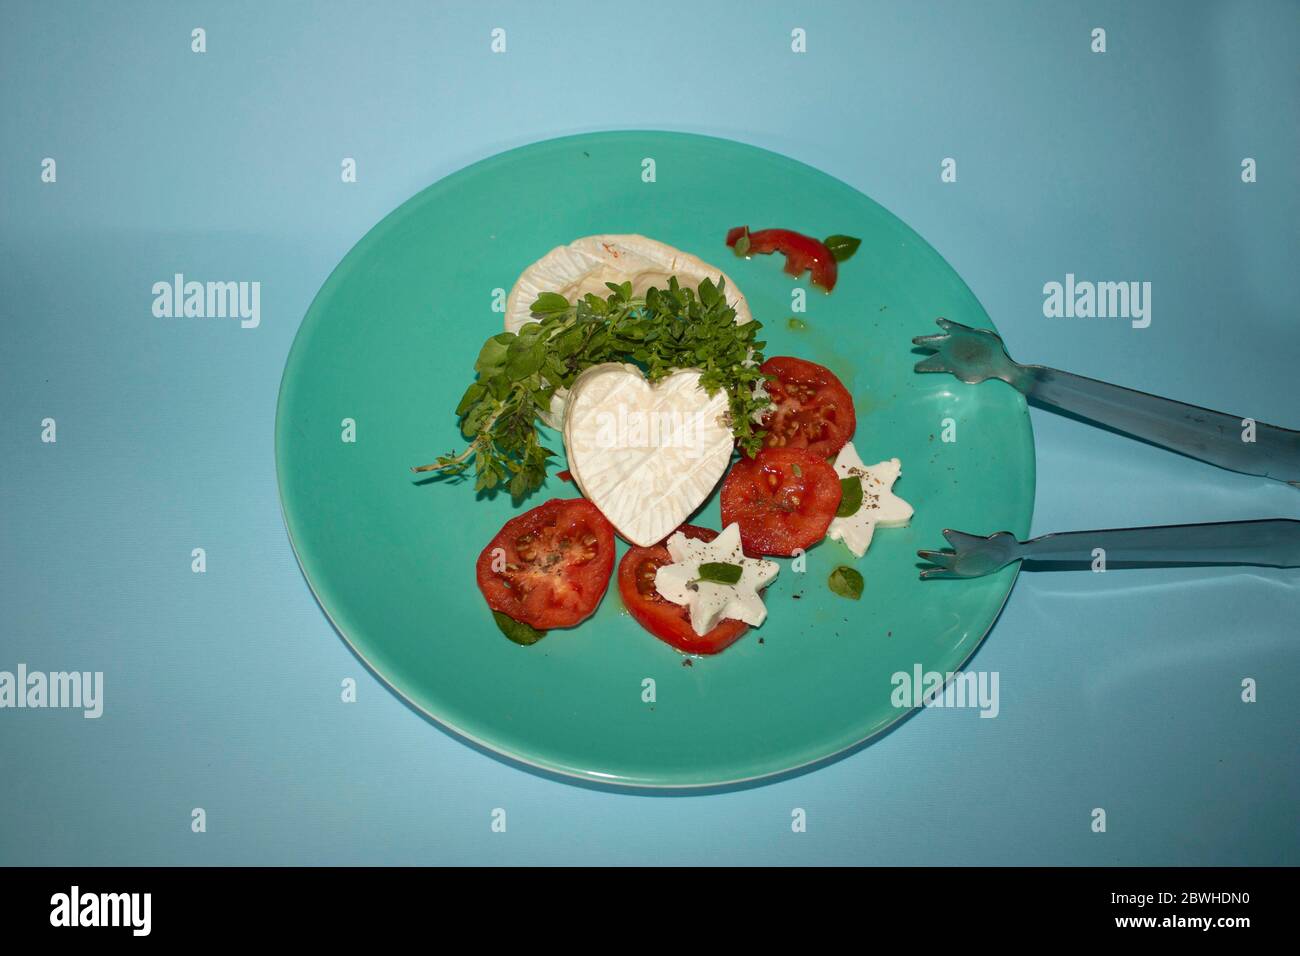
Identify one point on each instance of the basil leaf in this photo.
(517, 631)
(742, 245)
(549, 302)
(530, 331)
(846, 582)
(493, 354)
(474, 419)
(523, 358)
(719, 572)
(709, 294)
(518, 487)
(850, 497)
(472, 394)
(842, 247)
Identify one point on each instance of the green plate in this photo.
(390, 343)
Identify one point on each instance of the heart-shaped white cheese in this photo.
(646, 455)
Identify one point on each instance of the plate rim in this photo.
(555, 769)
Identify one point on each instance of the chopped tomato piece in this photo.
(802, 253)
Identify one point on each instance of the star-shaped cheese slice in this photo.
(880, 506)
(708, 601)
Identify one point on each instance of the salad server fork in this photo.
(975, 355)
(1272, 542)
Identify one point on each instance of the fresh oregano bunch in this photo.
(667, 329)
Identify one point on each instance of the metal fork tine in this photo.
(932, 363)
(938, 573)
(941, 558)
(930, 341)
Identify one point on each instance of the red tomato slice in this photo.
(784, 499)
(552, 566)
(802, 253)
(813, 408)
(667, 621)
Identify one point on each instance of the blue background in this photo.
(1119, 691)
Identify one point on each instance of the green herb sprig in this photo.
(664, 330)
